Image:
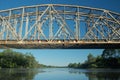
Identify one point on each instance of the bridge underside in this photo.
(59, 45)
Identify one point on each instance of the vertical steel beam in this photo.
(15, 25)
(8, 33)
(50, 23)
(27, 23)
(37, 13)
(2, 30)
(21, 25)
(77, 27)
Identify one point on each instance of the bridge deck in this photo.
(59, 44)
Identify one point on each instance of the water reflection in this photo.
(103, 75)
(98, 74)
(59, 74)
(17, 74)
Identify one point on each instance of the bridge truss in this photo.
(59, 26)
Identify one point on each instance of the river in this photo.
(59, 74)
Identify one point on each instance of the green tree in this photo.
(111, 58)
(12, 59)
(91, 58)
(107, 53)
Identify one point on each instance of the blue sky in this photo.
(61, 57)
(113, 5)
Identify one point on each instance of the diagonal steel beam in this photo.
(35, 23)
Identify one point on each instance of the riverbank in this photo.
(110, 58)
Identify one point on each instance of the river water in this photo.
(59, 74)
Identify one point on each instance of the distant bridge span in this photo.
(59, 26)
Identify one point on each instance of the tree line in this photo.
(13, 59)
(110, 58)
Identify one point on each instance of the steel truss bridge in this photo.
(59, 26)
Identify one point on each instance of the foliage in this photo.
(74, 65)
(110, 58)
(12, 59)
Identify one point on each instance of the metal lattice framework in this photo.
(59, 24)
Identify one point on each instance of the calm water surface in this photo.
(59, 74)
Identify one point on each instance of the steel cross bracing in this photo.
(59, 24)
